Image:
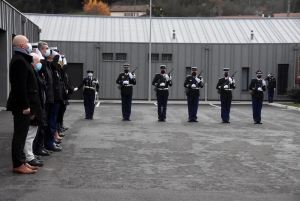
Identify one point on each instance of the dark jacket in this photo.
(47, 72)
(126, 89)
(189, 81)
(57, 83)
(225, 93)
(40, 118)
(24, 86)
(271, 82)
(67, 83)
(161, 91)
(254, 85)
(90, 84)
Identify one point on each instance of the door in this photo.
(75, 73)
(282, 82)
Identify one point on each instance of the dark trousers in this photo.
(89, 105)
(225, 108)
(52, 116)
(21, 126)
(193, 107)
(270, 95)
(162, 107)
(126, 106)
(38, 142)
(256, 108)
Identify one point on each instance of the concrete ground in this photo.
(109, 159)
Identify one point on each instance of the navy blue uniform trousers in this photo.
(126, 106)
(193, 107)
(256, 108)
(270, 94)
(89, 105)
(162, 107)
(225, 108)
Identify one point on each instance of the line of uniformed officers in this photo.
(193, 82)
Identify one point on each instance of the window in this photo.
(245, 78)
(121, 56)
(166, 57)
(107, 56)
(282, 82)
(154, 57)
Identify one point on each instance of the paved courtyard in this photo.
(109, 159)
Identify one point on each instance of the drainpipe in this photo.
(206, 71)
(295, 62)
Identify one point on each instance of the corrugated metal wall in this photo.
(265, 57)
(12, 22)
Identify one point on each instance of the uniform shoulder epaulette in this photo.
(220, 78)
(188, 76)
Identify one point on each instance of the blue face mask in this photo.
(38, 67)
(47, 53)
(29, 49)
(90, 74)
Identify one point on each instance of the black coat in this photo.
(24, 85)
(225, 93)
(126, 90)
(89, 87)
(47, 73)
(188, 83)
(254, 85)
(158, 79)
(271, 82)
(40, 118)
(57, 82)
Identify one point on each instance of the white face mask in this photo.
(47, 53)
(29, 49)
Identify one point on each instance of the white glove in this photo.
(193, 86)
(65, 61)
(225, 86)
(162, 84)
(230, 80)
(264, 82)
(133, 74)
(95, 81)
(233, 81)
(170, 77)
(167, 77)
(96, 93)
(75, 89)
(125, 82)
(54, 53)
(197, 79)
(274, 89)
(259, 89)
(130, 75)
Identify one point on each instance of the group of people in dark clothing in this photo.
(40, 89)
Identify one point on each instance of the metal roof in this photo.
(82, 28)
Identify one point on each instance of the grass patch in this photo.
(293, 104)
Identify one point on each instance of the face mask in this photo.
(194, 74)
(29, 49)
(226, 74)
(163, 72)
(126, 71)
(90, 74)
(47, 53)
(38, 67)
(259, 76)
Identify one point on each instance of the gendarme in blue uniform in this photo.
(258, 86)
(162, 82)
(224, 87)
(91, 86)
(125, 81)
(192, 84)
